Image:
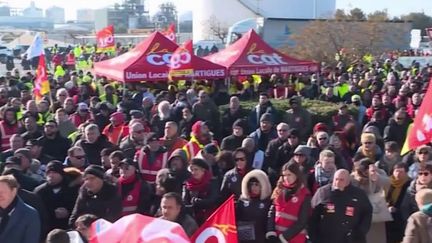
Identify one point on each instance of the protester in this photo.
(419, 224)
(172, 210)
(19, 222)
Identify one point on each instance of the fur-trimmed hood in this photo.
(263, 180)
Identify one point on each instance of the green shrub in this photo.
(321, 111)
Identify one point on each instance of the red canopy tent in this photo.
(148, 61)
(251, 55)
(184, 64)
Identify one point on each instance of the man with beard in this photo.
(135, 141)
(8, 127)
(343, 205)
(171, 140)
(53, 144)
(57, 195)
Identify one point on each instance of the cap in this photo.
(55, 166)
(136, 114)
(294, 132)
(82, 106)
(302, 149)
(240, 123)
(355, 98)
(25, 152)
(211, 149)
(153, 137)
(128, 161)
(200, 163)
(95, 170)
(266, 117)
(13, 160)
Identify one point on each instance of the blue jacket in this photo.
(23, 225)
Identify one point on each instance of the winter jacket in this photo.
(23, 225)
(340, 216)
(263, 139)
(419, 227)
(256, 113)
(229, 118)
(93, 150)
(409, 205)
(106, 204)
(395, 132)
(251, 212)
(231, 184)
(64, 198)
(300, 119)
(129, 147)
(188, 223)
(56, 148)
(232, 142)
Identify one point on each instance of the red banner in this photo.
(41, 83)
(220, 227)
(421, 131)
(137, 228)
(105, 39)
(170, 33)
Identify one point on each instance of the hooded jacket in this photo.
(180, 175)
(419, 226)
(251, 212)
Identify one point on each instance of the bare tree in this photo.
(215, 28)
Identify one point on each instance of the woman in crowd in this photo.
(369, 149)
(252, 207)
(399, 182)
(367, 177)
(290, 208)
(200, 192)
(232, 180)
(422, 155)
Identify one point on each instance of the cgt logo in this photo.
(175, 60)
(266, 59)
(259, 57)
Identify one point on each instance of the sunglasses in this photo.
(423, 173)
(322, 138)
(423, 152)
(240, 159)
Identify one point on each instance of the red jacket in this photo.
(288, 211)
(149, 169)
(131, 201)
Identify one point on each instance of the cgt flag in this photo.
(105, 39)
(41, 83)
(421, 130)
(170, 33)
(220, 227)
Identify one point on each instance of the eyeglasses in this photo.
(423, 173)
(79, 157)
(240, 159)
(423, 152)
(325, 138)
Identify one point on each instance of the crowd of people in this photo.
(93, 148)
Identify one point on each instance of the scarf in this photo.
(201, 185)
(396, 189)
(323, 177)
(289, 189)
(6, 212)
(126, 185)
(419, 186)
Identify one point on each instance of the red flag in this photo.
(41, 83)
(137, 228)
(181, 60)
(105, 39)
(421, 131)
(220, 227)
(170, 33)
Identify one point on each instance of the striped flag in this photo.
(41, 83)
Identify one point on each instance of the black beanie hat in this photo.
(200, 163)
(95, 170)
(55, 166)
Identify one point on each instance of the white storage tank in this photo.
(228, 12)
